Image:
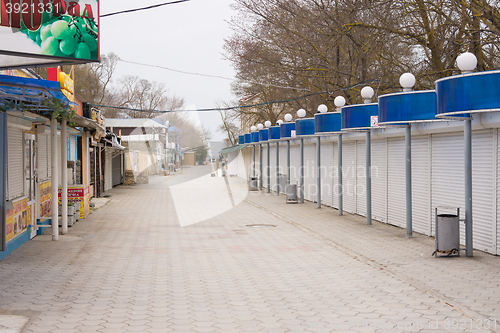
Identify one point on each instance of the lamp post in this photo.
(278, 187)
(268, 124)
(301, 114)
(367, 94)
(407, 81)
(339, 103)
(322, 108)
(467, 62)
(260, 127)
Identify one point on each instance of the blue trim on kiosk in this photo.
(264, 135)
(304, 126)
(358, 116)
(241, 139)
(407, 107)
(286, 130)
(327, 122)
(255, 137)
(248, 138)
(460, 95)
(274, 133)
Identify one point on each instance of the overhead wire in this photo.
(244, 106)
(143, 8)
(213, 76)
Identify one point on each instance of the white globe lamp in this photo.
(407, 81)
(367, 94)
(288, 117)
(279, 122)
(260, 126)
(322, 108)
(267, 123)
(301, 113)
(339, 102)
(467, 62)
(253, 128)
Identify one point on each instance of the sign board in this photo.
(293, 133)
(374, 121)
(48, 32)
(67, 84)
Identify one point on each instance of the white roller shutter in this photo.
(379, 180)
(273, 167)
(241, 165)
(396, 198)
(361, 178)
(496, 233)
(483, 168)
(15, 162)
(420, 174)
(295, 165)
(264, 179)
(335, 177)
(349, 175)
(42, 155)
(72, 147)
(448, 174)
(310, 192)
(108, 170)
(327, 172)
(59, 171)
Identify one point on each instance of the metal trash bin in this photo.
(253, 183)
(447, 229)
(291, 193)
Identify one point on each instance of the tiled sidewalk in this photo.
(130, 267)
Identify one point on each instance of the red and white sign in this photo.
(374, 121)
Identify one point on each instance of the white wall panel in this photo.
(42, 157)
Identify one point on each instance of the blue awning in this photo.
(31, 91)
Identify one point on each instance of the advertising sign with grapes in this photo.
(48, 32)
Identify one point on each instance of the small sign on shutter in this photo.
(374, 121)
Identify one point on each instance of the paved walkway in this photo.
(131, 267)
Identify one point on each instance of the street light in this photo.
(268, 123)
(407, 81)
(467, 62)
(279, 122)
(367, 94)
(260, 126)
(339, 102)
(288, 117)
(322, 108)
(253, 128)
(301, 113)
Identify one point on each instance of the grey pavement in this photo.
(131, 267)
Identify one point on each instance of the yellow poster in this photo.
(18, 219)
(45, 199)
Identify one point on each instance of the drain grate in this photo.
(260, 226)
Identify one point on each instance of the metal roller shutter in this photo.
(379, 180)
(496, 233)
(327, 173)
(72, 147)
(264, 166)
(295, 165)
(361, 178)
(273, 167)
(15, 162)
(335, 176)
(483, 168)
(310, 172)
(59, 158)
(396, 182)
(241, 165)
(420, 174)
(448, 174)
(42, 155)
(349, 176)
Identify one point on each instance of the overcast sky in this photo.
(187, 36)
